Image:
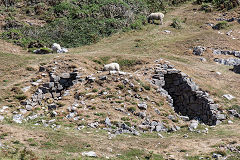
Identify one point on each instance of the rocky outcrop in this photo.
(227, 52)
(228, 62)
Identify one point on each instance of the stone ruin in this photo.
(54, 89)
(185, 96)
(182, 93)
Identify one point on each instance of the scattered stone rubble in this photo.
(235, 62)
(228, 62)
(226, 52)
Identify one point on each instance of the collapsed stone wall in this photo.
(54, 89)
(184, 95)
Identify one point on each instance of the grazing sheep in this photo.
(156, 16)
(111, 67)
(56, 47)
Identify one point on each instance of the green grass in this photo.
(141, 154)
(20, 97)
(221, 25)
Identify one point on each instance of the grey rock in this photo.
(25, 89)
(18, 118)
(142, 106)
(1, 118)
(29, 107)
(89, 154)
(65, 75)
(157, 111)
(193, 125)
(32, 117)
(228, 96)
(184, 118)
(141, 114)
(93, 125)
(172, 117)
(160, 128)
(234, 113)
(108, 122)
(217, 156)
(221, 116)
(203, 59)
(230, 122)
(167, 31)
(199, 50)
(161, 136)
(52, 121)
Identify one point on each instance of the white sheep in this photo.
(156, 16)
(111, 67)
(56, 47)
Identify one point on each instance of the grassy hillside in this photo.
(75, 23)
(134, 50)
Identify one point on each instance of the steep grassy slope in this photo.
(75, 23)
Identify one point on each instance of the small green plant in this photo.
(221, 152)
(97, 61)
(221, 25)
(206, 7)
(20, 96)
(30, 69)
(105, 59)
(92, 107)
(16, 142)
(100, 114)
(176, 23)
(3, 135)
(120, 86)
(161, 103)
(127, 62)
(128, 123)
(131, 109)
(235, 107)
(94, 90)
(146, 86)
(125, 118)
(60, 104)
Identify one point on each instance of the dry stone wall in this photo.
(184, 95)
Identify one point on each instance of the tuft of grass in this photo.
(20, 96)
(139, 154)
(30, 69)
(125, 119)
(120, 86)
(94, 90)
(176, 23)
(221, 25)
(146, 86)
(100, 114)
(131, 109)
(127, 62)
